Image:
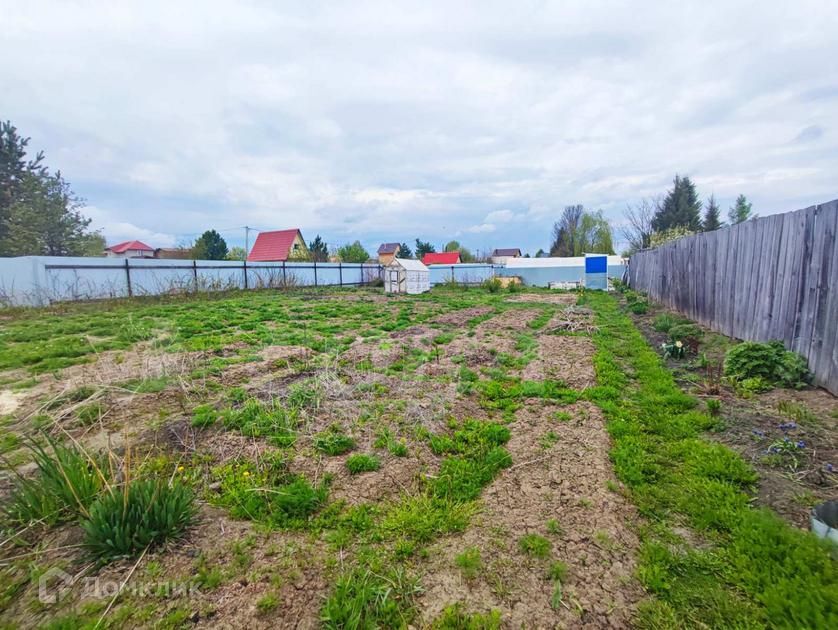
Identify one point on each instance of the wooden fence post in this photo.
(128, 278)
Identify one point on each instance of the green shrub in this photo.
(362, 463)
(65, 484)
(683, 331)
(333, 441)
(770, 362)
(144, 513)
(492, 285)
(714, 407)
(639, 307)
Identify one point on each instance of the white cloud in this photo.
(375, 121)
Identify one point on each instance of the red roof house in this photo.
(444, 258)
(278, 246)
(130, 249)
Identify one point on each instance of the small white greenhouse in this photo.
(406, 276)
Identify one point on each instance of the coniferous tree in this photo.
(405, 251)
(740, 211)
(424, 247)
(680, 208)
(711, 216)
(318, 250)
(210, 246)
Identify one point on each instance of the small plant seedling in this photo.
(362, 463)
(469, 562)
(562, 416)
(557, 571)
(548, 440)
(714, 407)
(333, 442)
(535, 545)
(267, 603)
(554, 527)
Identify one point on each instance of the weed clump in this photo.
(144, 513)
(535, 545)
(333, 441)
(365, 598)
(769, 362)
(454, 617)
(66, 483)
(269, 493)
(362, 463)
(469, 562)
(257, 419)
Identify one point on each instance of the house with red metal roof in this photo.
(443, 258)
(279, 246)
(129, 249)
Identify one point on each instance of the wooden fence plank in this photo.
(769, 278)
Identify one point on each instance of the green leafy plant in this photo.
(139, 515)
(362, 462)
(492, 285)
(770, 362)
(673, 350)
(714, 406)
(257, 419)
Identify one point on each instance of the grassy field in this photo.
(461, 459)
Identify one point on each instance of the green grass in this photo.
(535, 545)
(333, 441)
(469, 562)
(454, 617)
(758, 571)
(361, 462)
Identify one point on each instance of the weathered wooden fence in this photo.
(769, 278)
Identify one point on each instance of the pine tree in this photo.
(318, 249)
(712, 216)
(210, 246)
(740, 211)
(424, 247)
(405, 251)
(680, 208)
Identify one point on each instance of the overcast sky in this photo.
(390, 121)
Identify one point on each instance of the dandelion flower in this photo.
(247, 473)
(180, 469)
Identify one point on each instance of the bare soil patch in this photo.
(463, 316)
(565, 358)
(565, 481)
(545, 298)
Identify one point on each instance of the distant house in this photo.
(500, 256)
(387, 252)
(444, 258)
(176, 253)
(278, 246)
(129, 249)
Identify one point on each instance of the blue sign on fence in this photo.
(596, 264)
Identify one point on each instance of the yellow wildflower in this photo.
(180, 468)
(678, 344)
